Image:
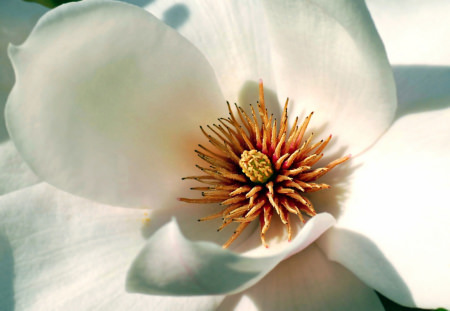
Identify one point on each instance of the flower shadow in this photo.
(3, 132)
(176, 16)
(248, 95)
(331, 200)
(7, 275)
(187, 216)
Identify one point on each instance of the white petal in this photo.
(328, 58)
(393, 232)
(414, 32)
(16, 20)
(233, 37)
(60, 252)
(306, 281)
(170, 264)
(108, 101)
(14, 172)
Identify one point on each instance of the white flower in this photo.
(107, 104)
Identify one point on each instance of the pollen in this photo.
(145, 219)
(255, 168)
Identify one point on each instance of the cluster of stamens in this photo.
(256, 169)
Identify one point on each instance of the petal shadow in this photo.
(361, 256)
(141, 3)
(176, 15)
(417, 85)
(5, 87)
(248, 95)
(7, 275)
(3, 132)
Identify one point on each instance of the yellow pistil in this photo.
(256, 166)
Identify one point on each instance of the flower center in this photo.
(256, 166)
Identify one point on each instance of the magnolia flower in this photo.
(106, 106)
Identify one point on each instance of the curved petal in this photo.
(60, 252)
(306, 281)
(16, 20)
(233, 37)
(14, 172)
(328, 58)
(170, 264)
(397, 201)
(414, 32)
(108, 101)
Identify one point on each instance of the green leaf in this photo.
(389, 305)
(51, 3)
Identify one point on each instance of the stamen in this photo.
(254, 171)
(238, 231)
